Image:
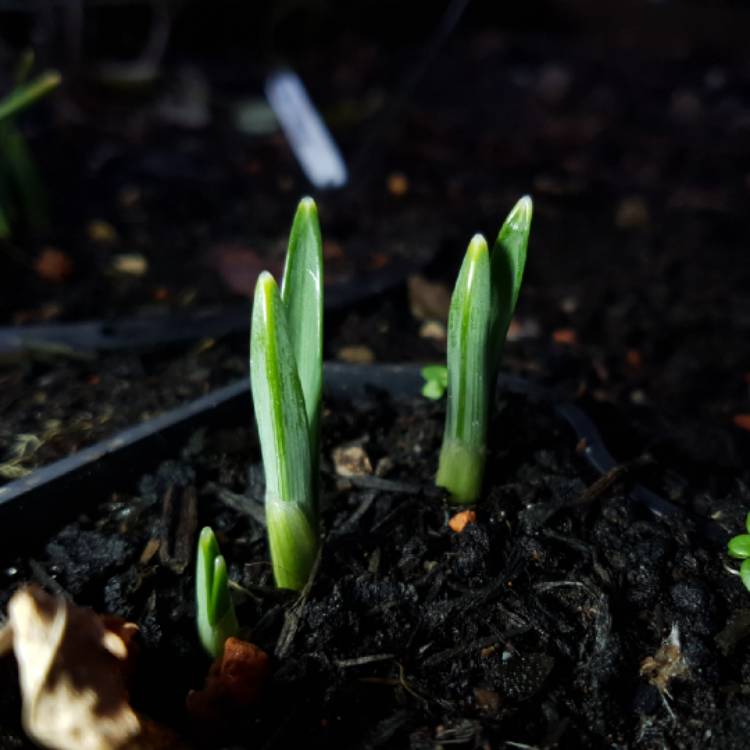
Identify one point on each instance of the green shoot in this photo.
(302, 295)
(482, 306)
(215, 611)
(21, 191)
(436, 381)
(286, 355)
(739, 548)
(25, 94)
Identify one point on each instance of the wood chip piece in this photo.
(666, 664)
(351, 461)
(358, 355)
(428, 300)
(129, 264)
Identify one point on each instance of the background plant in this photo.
(22, 198)
(286, 365)
(739, 548)
(481, 309)
(435, 381)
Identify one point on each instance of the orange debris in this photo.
(53, 265)
(398, 184)
(234, 681)
(565, 336)
(633, 358)
(742, 421)
(461, 520)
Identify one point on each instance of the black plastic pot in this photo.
(30, 507)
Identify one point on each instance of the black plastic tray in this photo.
(30, 507)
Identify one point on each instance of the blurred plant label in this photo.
(305, 130)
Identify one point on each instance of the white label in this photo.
(308, 136)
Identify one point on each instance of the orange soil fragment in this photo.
(565, 336)
(461, 520)
(235, 680)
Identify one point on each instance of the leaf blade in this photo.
(283, 431)
(302, 295)
(25, 94)
(508, 261)
(462, 455)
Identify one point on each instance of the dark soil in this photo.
(631, 134)
(529, 628)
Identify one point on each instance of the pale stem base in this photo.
(460, 471)
(293, 541)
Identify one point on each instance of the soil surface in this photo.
(542, 624)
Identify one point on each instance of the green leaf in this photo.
(283, 431)
(438, 373)
(745, 574)
(747, 523)
(508, 261)
(302, 294)
(26, 94)
(433, 390)
(739, 546)
(215, 614)
(463, 453)
(436, 381)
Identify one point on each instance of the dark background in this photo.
(627, 122)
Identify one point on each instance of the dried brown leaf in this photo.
(71, 666)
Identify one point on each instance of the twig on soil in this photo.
(348, 526)
(360, 660)
(407, 504)
(367, 481)
(241, 503)
(293, 616)
(177, 557)
(451, 653)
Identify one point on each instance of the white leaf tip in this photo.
(477, 245)
(307, 204)
(522, 211)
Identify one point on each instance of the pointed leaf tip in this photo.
(307, 204)
(521, 214)
(266, 282)
(477, 246)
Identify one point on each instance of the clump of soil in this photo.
(595, 625)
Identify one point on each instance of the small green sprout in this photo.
(215, 611)
(482, 306)
(286, 375)
(436, 381)
(739, 548)
(21, 192)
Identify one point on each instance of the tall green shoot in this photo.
(286, 360)
(481, 309)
